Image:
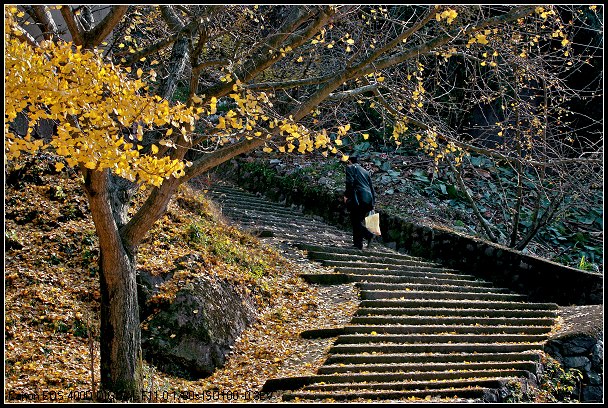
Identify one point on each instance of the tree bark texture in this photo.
(120, 341)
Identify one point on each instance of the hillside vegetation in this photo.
(52, 289)
(408, 184)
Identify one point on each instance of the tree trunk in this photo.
(177, 64)
(120, 339)
(179, 54)
(120, 335)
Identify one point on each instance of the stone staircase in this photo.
(421, 330)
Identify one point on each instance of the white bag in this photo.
(372, 222)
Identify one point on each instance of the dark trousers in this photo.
(357, 220)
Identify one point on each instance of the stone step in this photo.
(421, 388)
(234, 207)
(368, 258)
(452, 320)
(236, 193)
(285, 223)
(271, 220)
(443, 295)
(431, 272)
(257, 210)
(403, 271)
(380, 333)
(402, 337)
(223, 186)
(232, 191)
(434, 348)
(431, 358)
(344, 238)
(384, 252)
(287, 226)
(402, 277)
(235, 201)
(231, 200)
(417, 375)
(248, 199)
(413, 266)
(290, 225)
(428, 384)
(527, 365)
(326, 278)
(361, 379)
(451, 392)
(400, 287)
(457, 304)
(416, 279)
(444, 312)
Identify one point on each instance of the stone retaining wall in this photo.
(542, 280)
(578, 343)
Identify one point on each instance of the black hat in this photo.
(354, 158)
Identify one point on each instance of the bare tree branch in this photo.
(46, 22)
(99, 33)
(73, 25)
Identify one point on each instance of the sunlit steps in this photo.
(421, 330)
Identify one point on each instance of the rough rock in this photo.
(190, 337)
(578, 344)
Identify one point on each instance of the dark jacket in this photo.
(359, 190)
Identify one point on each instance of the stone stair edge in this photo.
(404, 278)
(507, 304)
(476, 392)
(439, 357)
(433, 366)
(291, 383)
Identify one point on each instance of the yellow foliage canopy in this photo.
(97, 109)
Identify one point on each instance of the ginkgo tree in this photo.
(270, 77)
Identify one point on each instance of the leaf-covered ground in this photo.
(52, 294)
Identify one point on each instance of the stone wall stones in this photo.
(540, 279)
(579, 343)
